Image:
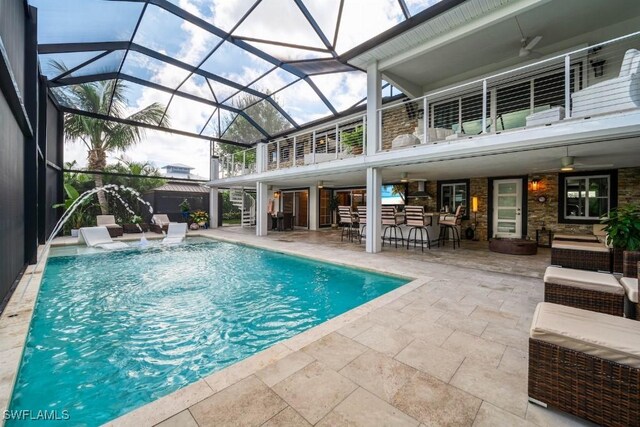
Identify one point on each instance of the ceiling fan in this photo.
(404, 177)
(568, 164)
(527, 44)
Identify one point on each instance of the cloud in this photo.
(274, 20)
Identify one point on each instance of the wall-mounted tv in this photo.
(393, 194)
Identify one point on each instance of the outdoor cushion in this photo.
(630, 286)
(579, 246)
(597, 334)
(576, 237)
(590, 280)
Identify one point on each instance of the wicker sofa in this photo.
(586, 290)
(586, 364)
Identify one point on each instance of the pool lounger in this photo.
(98, 237)
(175, 233)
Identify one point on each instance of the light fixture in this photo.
(320, 184)
(276, 194)
(404, 177)
(474, 204)
(474, 209)
(535, 183)
(567, 168)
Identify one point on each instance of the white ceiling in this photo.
(562, 23)
(603, 154)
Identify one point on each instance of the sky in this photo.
(276, 20)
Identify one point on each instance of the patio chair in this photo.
(98, 237)
(362, 221)
(631, 301)
(391, 219)
(160, 223)
(617, 94)
(586, 290)
(176, 232)
(585, 363)
(418, 221)
(451, 222)
(347, 221)
(109, 221)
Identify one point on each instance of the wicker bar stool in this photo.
(346, 221)
(362, 221)
(451, 222)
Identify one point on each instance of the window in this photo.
(453, 194)
(584, 197)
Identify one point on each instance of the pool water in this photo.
(113, 331)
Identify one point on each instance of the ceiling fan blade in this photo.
(587, 166)
(532, 44)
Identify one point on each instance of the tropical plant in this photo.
(102, 137)
(199, 217)
(622, 225)
(184, 206)
(400, 190)
(81, 216)
(353, 139)
(334, 202)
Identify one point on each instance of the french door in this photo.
(507, 208)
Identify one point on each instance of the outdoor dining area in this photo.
(412, 225)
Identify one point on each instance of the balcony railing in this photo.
(238, 163)
(598, 79)
(331, 142)
(595, 80)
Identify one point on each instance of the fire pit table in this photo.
(513, 246)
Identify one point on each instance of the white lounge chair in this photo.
(98, 237)
(176, 233)
(617, 94)
(109, 221)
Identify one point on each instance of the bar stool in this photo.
(451, 222)
(391, 219)
(362, 221)
(417, 220)
(346, 220)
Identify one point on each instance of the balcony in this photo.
(598, 80)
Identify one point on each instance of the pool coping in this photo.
(16, 320)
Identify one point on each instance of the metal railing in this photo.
(238, 163)
(335, 141)
(599, 79)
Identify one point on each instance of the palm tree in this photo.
(99, 136)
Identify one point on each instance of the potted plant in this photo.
(334, 202)
(622, 226)
(185, 207)
(353, 140)
(200, 217)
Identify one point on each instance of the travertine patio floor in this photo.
(450, 348)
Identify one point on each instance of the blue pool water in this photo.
(113, 331)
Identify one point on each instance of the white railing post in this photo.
(484, 106)
(337, 139)
(313, 147)
(244, 161)
(567, 86)
(364, 133)
(278, 154)
(295, 152)
(233, 164)
(425, 120)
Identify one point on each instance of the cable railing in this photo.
(339, 140)
(238, 163)
(594, 80)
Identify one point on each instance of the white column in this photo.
(374, 204)
(261, 157)
(313, 207)
(262, 197)
(214, 174)
(374, 96)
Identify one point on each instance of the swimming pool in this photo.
(113, 331)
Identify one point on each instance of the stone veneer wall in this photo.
(539, 214)
(396, 121)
